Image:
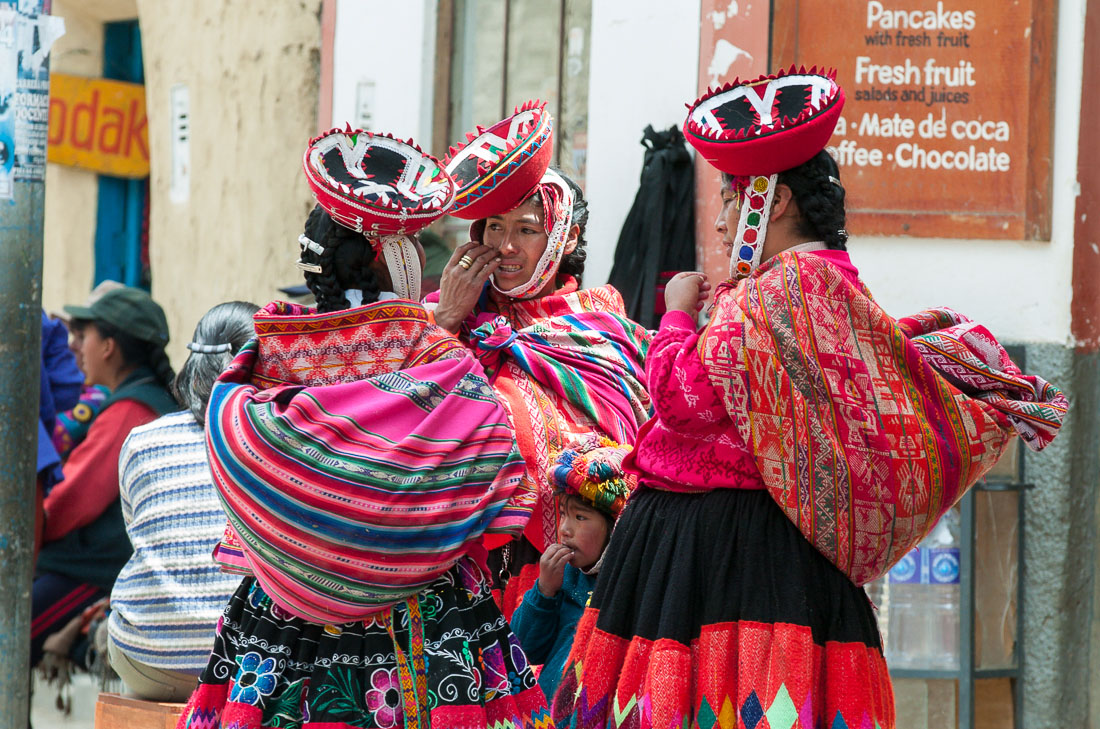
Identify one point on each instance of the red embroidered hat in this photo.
(766, 126)
(499, 167)
(375, 184)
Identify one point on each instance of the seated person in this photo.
(592, 491)
(167, 600)
(59, 390)
(84, 539)
(74, 420)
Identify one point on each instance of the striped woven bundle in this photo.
(348, 498)
(593, 359)
(865, 430)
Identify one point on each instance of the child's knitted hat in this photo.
(592, 468)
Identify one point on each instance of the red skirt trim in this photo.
(735, 675)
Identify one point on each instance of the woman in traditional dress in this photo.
(804, 441)
(361, 457)
(566, 362)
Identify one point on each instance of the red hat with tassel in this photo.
(766, 126)
(375, 184)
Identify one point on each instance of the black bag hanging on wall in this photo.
(658, 237)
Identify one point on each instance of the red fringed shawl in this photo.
(865, 429)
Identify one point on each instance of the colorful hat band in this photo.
(752, 226)
(557, 205)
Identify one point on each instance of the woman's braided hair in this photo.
(226, 324)
(345, 263)
(820, 200)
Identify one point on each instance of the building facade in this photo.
(231, 94)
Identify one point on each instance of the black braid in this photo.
(572, 264)
(162, 368)
(345, 263)
(820, 201)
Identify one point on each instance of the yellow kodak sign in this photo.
(99, 125)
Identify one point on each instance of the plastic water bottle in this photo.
(923, 621)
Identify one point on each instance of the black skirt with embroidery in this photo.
(444, 658)
(713, 606)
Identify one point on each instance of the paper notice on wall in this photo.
(25, 41)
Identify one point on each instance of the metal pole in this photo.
(21, 220)
(966, 610)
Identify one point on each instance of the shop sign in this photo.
(938, 132)
(99, 124)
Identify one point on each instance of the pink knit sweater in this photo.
(691, 444)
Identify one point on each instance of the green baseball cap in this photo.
(130, 310)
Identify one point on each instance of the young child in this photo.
(592, 491)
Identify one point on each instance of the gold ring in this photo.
(466, 262)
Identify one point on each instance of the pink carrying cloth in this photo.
(347, 498)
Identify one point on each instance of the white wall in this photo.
(643, 69)
(393, 45)
(1020, 290)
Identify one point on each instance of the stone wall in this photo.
(72, 193)
(252, 73)
(251, 69)
(1060, 548)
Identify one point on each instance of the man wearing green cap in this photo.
(85, 543)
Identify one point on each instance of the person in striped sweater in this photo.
(167, 599)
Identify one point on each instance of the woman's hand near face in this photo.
(686, 292)
(460, 287)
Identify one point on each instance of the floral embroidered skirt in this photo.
(712, 610)
(443, 658)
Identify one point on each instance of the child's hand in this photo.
(552, 568)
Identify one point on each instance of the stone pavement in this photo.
(44, 713)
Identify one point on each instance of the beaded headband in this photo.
(200, 348)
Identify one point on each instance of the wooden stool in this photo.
(122, 712)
